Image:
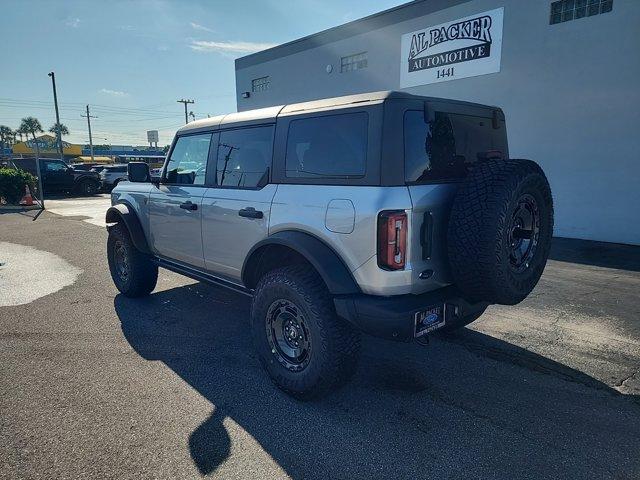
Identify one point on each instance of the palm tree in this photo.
(6, 134)
(19, 132)
(59, 126)
(31, 125)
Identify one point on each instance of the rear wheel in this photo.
(305, 347)
(88, 187)
(133, 272)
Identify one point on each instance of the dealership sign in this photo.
(465, 47)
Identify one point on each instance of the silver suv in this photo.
(386, 213)
(111, 175)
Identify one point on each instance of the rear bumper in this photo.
(394, 317)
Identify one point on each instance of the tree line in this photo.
(28, 126)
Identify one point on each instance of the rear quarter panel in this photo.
(345, 218)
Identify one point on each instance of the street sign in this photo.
(152, 136)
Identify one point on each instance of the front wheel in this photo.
(133, 272)
(305, 347)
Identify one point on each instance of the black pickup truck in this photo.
(59, 177)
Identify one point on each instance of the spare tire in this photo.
(500, 230)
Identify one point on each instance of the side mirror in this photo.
(138, 172)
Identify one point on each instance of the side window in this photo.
(244, 156)
(447, 148)
(330, 146)
(188, 162)
(55, 167)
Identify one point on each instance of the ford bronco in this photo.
(384, 213)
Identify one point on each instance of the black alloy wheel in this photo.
(524, 233)
(288, 335)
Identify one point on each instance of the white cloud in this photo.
(229, 47)
(72, 22)
(197, 26)
(113, 93)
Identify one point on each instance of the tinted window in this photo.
(188, 161)
(244, 156)
(448, 147)
(331, 146)
(55, 167)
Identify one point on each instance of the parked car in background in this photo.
(58, 177)
(111, 175)
(85, 167)
(156, 173)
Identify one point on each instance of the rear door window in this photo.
(328, 146)
(447, 148)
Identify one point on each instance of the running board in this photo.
(201, 276)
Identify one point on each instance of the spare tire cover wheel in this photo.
(500, 230)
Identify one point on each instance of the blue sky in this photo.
(131, 60)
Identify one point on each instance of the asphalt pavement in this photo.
(95, 385)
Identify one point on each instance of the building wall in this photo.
(570, 93)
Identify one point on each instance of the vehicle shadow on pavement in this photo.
(471, 404)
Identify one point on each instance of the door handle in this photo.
(250, 212)
(189, 206)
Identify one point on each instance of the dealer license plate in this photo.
(429, 320)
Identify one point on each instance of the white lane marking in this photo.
(27, 274)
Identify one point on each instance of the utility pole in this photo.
(186, 114)
(89, 117)
(55, 102)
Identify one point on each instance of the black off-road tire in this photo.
(456, 324)
(132, 271)
(481, 230)
(334, 343)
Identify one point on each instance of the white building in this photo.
(565, 72)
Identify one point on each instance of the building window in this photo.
(261, 84)
(353, 62)
(566, 10)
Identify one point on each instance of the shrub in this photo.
(12, 183)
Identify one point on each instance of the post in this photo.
(89, 117)
(55, 103)
(39, 174)
(186, 114)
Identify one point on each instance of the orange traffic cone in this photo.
(27, 200)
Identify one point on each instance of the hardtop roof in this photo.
(271, 113)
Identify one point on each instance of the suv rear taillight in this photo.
(392, 239)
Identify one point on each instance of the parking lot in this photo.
(93, 384)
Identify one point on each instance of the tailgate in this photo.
(428, 235)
